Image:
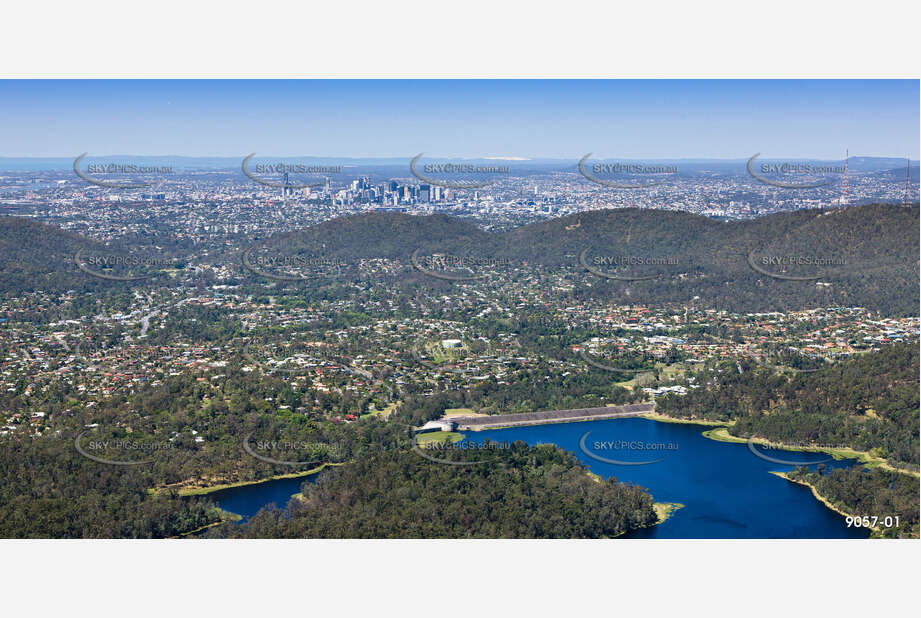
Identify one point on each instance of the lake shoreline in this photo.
(655, 416)
(721, 434)
(815, 492)
(225, 516)
(203, 490)
(664, 510)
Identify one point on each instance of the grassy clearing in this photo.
(640, 380)
(670, 372)
(450, 437)
(721, 434)
(201, 490)
(449, 412)
(386, 412)
(655, 416)
(664, 510)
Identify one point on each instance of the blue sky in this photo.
(463, 118)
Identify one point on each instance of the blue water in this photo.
(727, 491)
(248, 499)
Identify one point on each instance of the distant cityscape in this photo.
(213, 205)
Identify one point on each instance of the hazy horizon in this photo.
(551, 119)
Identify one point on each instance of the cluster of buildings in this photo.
(214, 207)
(102, 353)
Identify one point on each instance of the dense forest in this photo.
(870, 492)
(868, 402)
(50, 491)
(516, 492)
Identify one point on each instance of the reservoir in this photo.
(727, 491)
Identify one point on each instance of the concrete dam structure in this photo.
(475, 423)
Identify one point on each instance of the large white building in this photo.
(439, 425)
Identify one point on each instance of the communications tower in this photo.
(906, 198)
(845, 197)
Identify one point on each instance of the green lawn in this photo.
(381, 413)
(459, 412)
(451, 437)
(669, 372)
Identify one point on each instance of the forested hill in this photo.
(871, 254)
(861, 256)
(868, 402)
(36, 256)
